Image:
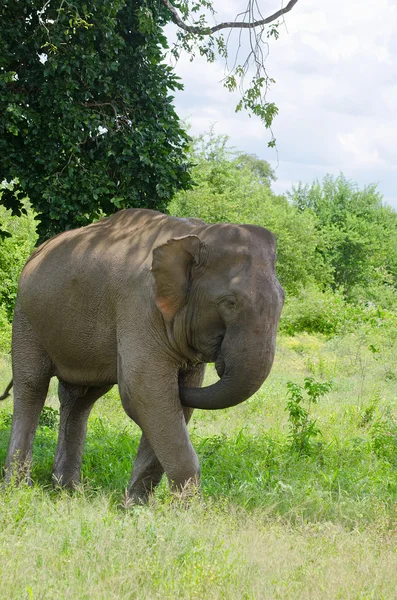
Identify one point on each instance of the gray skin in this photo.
(141, 300)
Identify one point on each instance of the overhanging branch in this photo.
(227, 25)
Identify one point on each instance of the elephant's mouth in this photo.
(220, 366)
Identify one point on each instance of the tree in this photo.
(260, 168)
(199, 35)
(358, 234)
(86, 116)
(227, 192)
(14, 250)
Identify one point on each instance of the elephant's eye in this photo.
(231, 303)
(228, 303)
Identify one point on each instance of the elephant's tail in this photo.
(7, 392)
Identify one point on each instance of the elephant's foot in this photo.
(187, 492)
(59, 483)
(65, 478)
(138, 495)
(181, 495)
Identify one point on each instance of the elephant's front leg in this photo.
(147, 470)
(165, 445)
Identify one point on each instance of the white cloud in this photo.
(344, 47)
(335, 68)
(361, 151)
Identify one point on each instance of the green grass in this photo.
(271, 524)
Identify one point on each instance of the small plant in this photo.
(303, 428)
(5, 420)
(49, 417)
(368, 414)
(384, 437)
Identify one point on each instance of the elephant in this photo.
(142, 300)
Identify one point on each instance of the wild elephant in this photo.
(142, 300)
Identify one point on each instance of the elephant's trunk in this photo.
(246, 357)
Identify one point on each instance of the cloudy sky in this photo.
(335, 66)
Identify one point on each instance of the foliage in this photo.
(5, 331)
(261, 169)
(224, 193)
(384, 438)
(200, 37)
(358, 236)
(380, 290)
(314, 311)
(49, 417)
(14, 250)
(303, 428)
(86, 114)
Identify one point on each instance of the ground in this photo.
(272, 522)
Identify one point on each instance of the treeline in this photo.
(15, 247)
(337, 243)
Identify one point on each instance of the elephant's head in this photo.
(220, 292)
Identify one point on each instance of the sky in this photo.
(335, 66)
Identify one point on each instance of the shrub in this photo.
(314, 311)
(235, 192)
(303, 428)
(15, 247)
(5, 331)
(14, 250)
(384, 438)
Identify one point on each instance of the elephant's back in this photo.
(86, 271)
(120, 233)
(70, 286)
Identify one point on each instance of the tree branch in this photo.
(228, 25)
(99, 105)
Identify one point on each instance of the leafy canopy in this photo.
(235, 187)
(86, 116)
(358, 236)
(14, 250)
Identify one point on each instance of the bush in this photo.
(14, 251)
(302, 427)
(5, 332)
(314, 311)
(358, 234)
(15, 247)
(327, 312)
(230, 188)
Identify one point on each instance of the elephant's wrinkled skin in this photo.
(142, 300)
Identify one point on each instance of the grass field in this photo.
(273, 522)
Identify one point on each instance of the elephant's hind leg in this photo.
(146, 473)
(76, 403)
(32, 371)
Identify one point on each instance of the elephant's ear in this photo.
(172, 264)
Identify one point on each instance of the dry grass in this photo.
(83, 547)
(272, 524)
